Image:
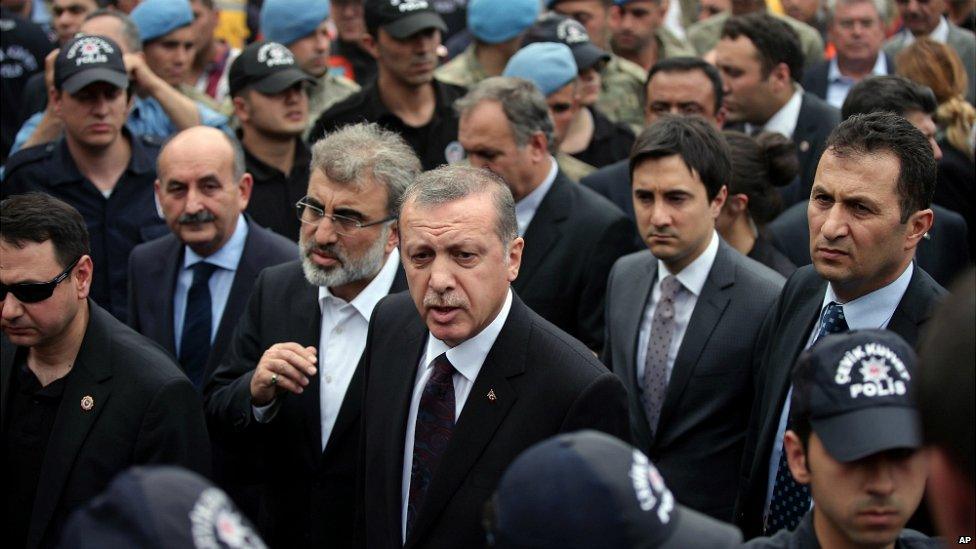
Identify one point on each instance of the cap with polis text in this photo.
(548, 65)
(267, 67)
(855, 389)
(401, 18)
(552, 27)
(86, 59)
(588, 489)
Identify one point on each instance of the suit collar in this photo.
(546, 228)
(875, 309)
(525, 209)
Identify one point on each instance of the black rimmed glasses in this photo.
(33, 292)
(312, 214)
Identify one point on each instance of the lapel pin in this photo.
(491, 395)
(804, 146)
(87, 403)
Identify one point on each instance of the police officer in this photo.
(24, 46)
(303, 26)
(271, 102)
(98, 166)
(405, 98)
(854, 438)
(496, 36)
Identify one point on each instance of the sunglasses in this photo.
(33, 292)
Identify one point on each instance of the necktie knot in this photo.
(443, 369)
(670, 287)
(833, 320)
(202, 272)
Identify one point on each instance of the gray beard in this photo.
(351, 269)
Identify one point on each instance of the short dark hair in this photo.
(697, 142)
(945, 375)
(38, 217)
(759, 165)
(688, 64)
(888, 93)
(889, 132)
(774, 40)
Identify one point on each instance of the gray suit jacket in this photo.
(698, 445)
(961, 40)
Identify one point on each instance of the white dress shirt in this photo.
(939, 34)
(870, 311)
(784, 121)
(341, 343)
(467, 358)
(839, 85)
(525, 208)
(226, 259)
(692, 280)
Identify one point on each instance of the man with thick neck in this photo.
(271, 102)
(638, 33)
(405, 98)
(856, 29)
(98, 167)
(213, 57)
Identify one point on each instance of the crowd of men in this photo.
(510, 273)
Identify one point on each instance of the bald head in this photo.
(202, 187)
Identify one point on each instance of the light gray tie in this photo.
(656, 363)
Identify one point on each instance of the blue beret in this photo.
(492, 24)
(285, 21)
(548, 65)
(157, 18)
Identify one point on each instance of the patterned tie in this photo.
(656, 364)
(791, 500)
(435, 425)
(197, 325)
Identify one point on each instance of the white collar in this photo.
(784, 121)
(468, 357)
(693, 276)
(228, 256)
(525, 208)
(940, 33)
(874, 309)
(880, 68)
(377, 289)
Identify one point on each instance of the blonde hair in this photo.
(938, 66)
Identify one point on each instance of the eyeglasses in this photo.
(312, 214)
(33, 292)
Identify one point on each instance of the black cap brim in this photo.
(694, 529)
(281, 81)
(587, 55)
(78, 81)
(861, 433)
(412, 24)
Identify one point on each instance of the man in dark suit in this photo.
(572, 235)
(868, 211)
(680, 86)
(683, 317)
(82, 396)
(857, 31)
(761, 63)
(289, 387)
(944, 252)
(202, 189)
(453, 394)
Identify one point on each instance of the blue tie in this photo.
(197, 324)
(791, 500)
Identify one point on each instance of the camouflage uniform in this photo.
(225, 108)
(329, 90)
(573, 167)
(670, 44)
(622, 92)
(464, 70)
(705, 35)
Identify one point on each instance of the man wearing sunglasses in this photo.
(289, 386)
(84, 397)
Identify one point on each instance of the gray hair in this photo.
(830, 6)
(358, 153)
(238, 163)
(133, 41)
(456, 181)
(524, 106)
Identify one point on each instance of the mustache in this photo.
(328, 249)
(202, 216)
(432, 299)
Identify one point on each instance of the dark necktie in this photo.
(655, 379)
(791, 500)
(435, 425)
(197, 324)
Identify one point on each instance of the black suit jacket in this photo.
(943, 253)
(545, 383)
(155, 266)
(570, 246)
(815, 77)
(145, 412)
(613, 183)
(309, 494)
(784, 336)
(704, 415)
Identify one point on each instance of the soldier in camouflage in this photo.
(638, 33)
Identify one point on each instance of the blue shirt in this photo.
(226, 258)
(839, 85)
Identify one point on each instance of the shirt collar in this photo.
(693, 276)
(141, 161)
(525, 208)
(375, 109)
(377, 289)
(833, 71)
(873, 310)
(263, 172)
(468, 357)
(784, 121)
(228, 256)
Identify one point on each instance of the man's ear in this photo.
(368, 42)
(83, 276)
(515, 257)
(796, 457)
(393, 240)
(241, 110)
(919, 223)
